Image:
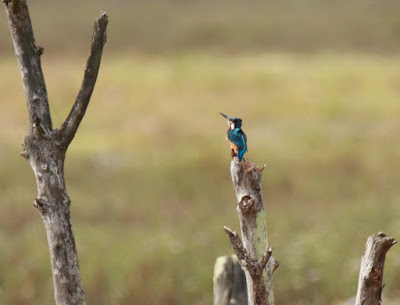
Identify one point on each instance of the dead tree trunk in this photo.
(229, 282)
(254, 253)
(370, 286)
(45, 147)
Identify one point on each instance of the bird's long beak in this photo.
(225, 116)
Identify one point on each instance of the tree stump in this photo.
(370, 286)
(229, 282)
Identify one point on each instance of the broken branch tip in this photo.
(103, 15)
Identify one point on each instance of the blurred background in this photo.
(317, 84)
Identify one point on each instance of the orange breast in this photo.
(234, 147)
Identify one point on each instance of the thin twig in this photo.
(266, 257)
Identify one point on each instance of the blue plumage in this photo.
(236, 136)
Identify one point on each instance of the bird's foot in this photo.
(234, 152)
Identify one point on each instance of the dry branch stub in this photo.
(370, 280)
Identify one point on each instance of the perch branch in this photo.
(71, 124)
(257, 255)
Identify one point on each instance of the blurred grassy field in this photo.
(226, 26)
(148, 172)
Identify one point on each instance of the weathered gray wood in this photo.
(254, 253)
(229, 282)
(71, 124)
(28, 55)
(45, 147)
(370, 286)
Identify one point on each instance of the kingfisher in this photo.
(236, 136)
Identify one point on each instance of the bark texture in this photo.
(45, 147)
(254, 252)
(370, 286)
(229, 282)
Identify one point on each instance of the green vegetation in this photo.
(148, 172)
